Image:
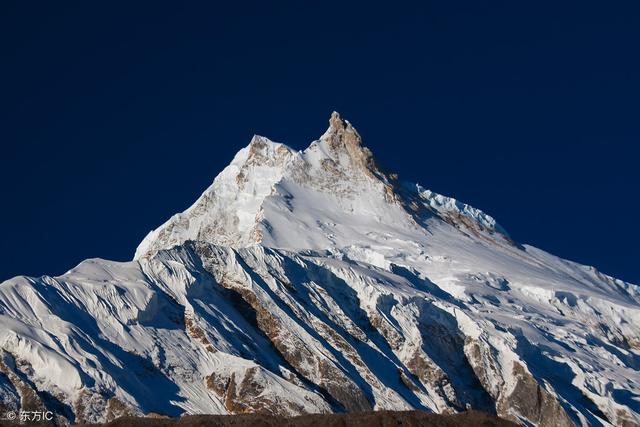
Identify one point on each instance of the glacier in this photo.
(314, 281)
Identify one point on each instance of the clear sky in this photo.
(116, 115)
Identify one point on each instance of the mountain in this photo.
(313, 282)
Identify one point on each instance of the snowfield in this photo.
(312, 282)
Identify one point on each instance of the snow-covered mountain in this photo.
(312, 281)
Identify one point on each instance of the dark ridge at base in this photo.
(354, 419)
(364, 419)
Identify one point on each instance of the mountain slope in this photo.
(314, 282)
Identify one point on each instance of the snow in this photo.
(326, 242)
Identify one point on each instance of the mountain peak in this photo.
(340, 148)
(269, 187)
(336, 121)
(263, 151)
(341, 133)
(309, 281)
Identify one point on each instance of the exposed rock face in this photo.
(533, 402)
(341, 137)
(17, 394)
(298, 354)
(312, 282)
(247, 392)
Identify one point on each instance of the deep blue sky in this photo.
(114, 116)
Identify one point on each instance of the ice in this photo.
(414, 299)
